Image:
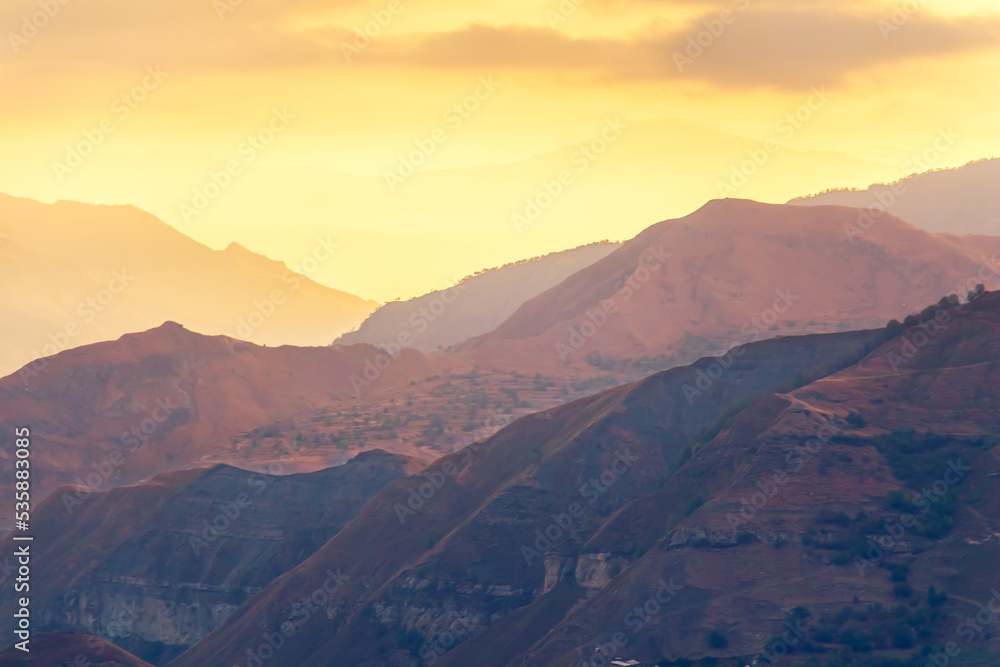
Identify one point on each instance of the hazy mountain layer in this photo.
(957, 201)
(474, 306)
(74, 274)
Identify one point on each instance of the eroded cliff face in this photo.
(157, 566)
(148, 617)
(501, 540)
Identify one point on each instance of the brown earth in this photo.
(154, 567)
(733, 272)
(459, 567)
(119, 412)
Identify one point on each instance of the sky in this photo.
(434, 138)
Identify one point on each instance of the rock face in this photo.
(155, 567)
(824, 486)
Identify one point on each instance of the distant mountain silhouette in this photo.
(75, 274)
(475, 305)
(964, 200)
(734, 271)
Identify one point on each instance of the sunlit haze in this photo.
(480, 112)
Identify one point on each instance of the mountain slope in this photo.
(454, 553)
(228, 533)
(475, 305)
(736, 510)
(167, 399)
(75, 274)
(957, 201)
(732, 272)
(866, 489)
(119, 412)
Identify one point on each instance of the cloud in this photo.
(776, 48)
(769, 44)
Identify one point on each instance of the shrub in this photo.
(902, 590)
(935, 599)
(800, 612)
(828, 516)
(823, 635)
(902, 637)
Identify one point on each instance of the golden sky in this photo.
(459, 135)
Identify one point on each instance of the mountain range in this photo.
(76, 274)
(817, 496)
(955, 201)
(473, 306)
(733, 272)
(740, 437)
